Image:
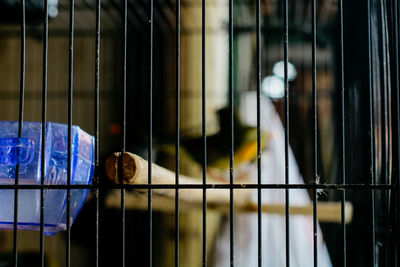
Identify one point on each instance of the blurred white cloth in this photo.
(273, 226)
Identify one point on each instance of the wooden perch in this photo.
(135, 171)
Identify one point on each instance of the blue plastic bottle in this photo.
(27, 152)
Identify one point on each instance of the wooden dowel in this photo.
(134, 171)
(327, 211)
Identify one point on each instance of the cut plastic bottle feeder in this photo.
(27, 152)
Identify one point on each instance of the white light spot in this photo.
(279, 70)
(53, 11)
(273, 87)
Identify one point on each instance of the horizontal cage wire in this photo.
(199, 133)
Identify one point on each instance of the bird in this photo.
(245, 146)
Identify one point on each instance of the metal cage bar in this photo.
(343, 130)
(397, 116)
(343, 185)
(20, 124)
(203, 129)
(372, 134)
(96, 127)
(150, 128)
(177, 122)
(44, 111)
(70, 106)
(338, 187)
(259, 181)
(315, 130)
(232, 137)
(124, 55)
(286, 126)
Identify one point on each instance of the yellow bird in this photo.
(219, 144)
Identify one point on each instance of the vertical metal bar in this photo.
(123, 226)
(97, 124)
(386, 117)
(44, 111)
(397, 88)
(315, 121)
(231, 152)
(285, 47)
(150, 133)
(259, 195)
(70, 99)
(372, 132)
(385, 129)
(342, 116)
(177, 129)
(124, 40)
(203, 126)
(20, 124)
(398, 119)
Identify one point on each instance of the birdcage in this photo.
(219, 133)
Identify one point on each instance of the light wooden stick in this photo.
(135, 171)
